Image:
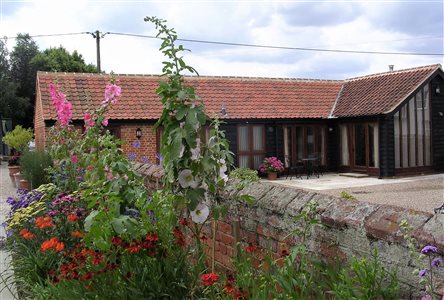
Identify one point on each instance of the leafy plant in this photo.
(347, 196)
(34, 167)
(18, 138)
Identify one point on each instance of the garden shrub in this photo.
(34, 166)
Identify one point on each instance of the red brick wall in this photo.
(39, 123)
(349, 228)
(148, 141)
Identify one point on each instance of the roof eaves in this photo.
(408, 94)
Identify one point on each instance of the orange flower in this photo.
(59, 246)
(77, 234)
(44, 222)
(49, 244)
(73, 218)
(26, 234)
(52, 244)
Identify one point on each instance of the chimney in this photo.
(391, 67)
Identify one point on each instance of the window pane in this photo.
(427, 126)
(258, 138)
(310, 141)
(243, 138)
(243, 161)
(412, 136)
(300, 143)
(287, 140)
(359, 145)
(405, 152)
(321, 144)
(371, 145)
(344, 145)
(376, 144)
(420, 135)
(396, 134)
(258, 160)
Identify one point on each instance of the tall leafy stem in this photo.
(195, 171)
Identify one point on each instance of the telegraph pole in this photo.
(97, 35)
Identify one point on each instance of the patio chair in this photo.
(295, 170)
(313, 165)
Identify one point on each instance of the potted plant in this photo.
(17, 140)
(33, 166)
(271, 166)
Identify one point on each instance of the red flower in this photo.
(209, 279)
(116, 241)
(285, 253)
(183, 222)
(152, 237)
(250, 248)
(49, 244)
(180, 238)
(240, 294)
(73, 218)
(88, 276)
(133, 247)
(44, 222)
(25, 233)
(76, 234)
(59, 246)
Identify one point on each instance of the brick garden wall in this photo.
(351, 228)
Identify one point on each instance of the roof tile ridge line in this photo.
(331, 115)
(262, 78)
(434, 66)
(411, 91)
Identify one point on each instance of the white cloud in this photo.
(354, 25)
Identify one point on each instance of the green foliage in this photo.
(60, 60)
(363, 278)
(34, 167)
(18, 138)
(347, 196)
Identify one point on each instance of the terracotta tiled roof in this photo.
(242, 97)
(379, 93)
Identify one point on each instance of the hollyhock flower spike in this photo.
(88, 120)
(200, 214)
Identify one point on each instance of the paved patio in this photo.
(423, 193)
(6, 189)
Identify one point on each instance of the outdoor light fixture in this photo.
(138, 133)
(223, 110)
(437, 90)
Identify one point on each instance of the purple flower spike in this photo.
(428, 249)
(131, 156)
(422, 273)
(437, 262)
(136, 144)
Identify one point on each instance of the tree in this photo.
(11, 105)
(60, 60)
(23, 74)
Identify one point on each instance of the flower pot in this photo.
(18, 176)
(12, 171)
(24, 184)
(272, 176)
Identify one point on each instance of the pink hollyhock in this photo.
(88, 119)
(112, 93)
(105, 122)
(62, 106)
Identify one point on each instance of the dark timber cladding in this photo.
(386, 146)
(437, 105)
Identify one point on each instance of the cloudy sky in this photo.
(368, 25)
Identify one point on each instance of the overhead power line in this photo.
(284, 47)
(256, 45)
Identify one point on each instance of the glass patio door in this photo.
(365, 146)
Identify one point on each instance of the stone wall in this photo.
(349, 228)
